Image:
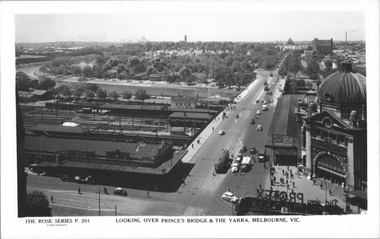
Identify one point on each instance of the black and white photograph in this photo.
(162, 119)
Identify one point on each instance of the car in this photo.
(258, 112)
(259, 128)
(270, 93)
(66, 178)
(221, 132)
(252, 121)
(257, 101)
(120, 191)
(262, 101)
(271, 74)
(253, 150)
(229, 197)
(234, 168)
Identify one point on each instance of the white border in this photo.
(332, 226)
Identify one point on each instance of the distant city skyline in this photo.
(198, 26)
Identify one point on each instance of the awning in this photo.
(331, 171)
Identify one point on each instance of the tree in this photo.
(149, 70)
(92, 87)
(46, 83)
(184, 73)
(141, 95)
(133, 61)
(76, 70)
(90, 94)
(312, 67)
(64, 90)
(37, 205)
(88, 71)
(127, 95)
(114, 95)
(101, 94)
(23, 82)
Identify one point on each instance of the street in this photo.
(201, 192)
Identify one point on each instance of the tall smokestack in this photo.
(346, 38)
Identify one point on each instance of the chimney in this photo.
(346, 38)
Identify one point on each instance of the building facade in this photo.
(323, 46)
(178, 102)
(335, 135)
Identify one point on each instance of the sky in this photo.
(240, 23)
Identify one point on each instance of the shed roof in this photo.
(189, 115)
(284, 118)
(43, 143)
(39, 92)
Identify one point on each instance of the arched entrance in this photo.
(331, 168)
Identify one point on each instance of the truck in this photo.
(262, 155)
(82, 179)
(245, 164)
(222, 162)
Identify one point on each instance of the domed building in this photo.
(343, 92)
(334, 131)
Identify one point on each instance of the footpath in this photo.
(319, 189)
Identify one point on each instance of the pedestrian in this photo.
(260, 185)
(288, 168)
(212, 128)
(330, 192)
(51, 198)
(287, 181)
(147, 193)
(274, 179)
(78, 190)
(283, 172)
(294, 184)
(314, 181)
(321, 186)
(192, 145)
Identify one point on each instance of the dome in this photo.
(344, 88)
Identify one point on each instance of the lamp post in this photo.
(325, 192)
(347, 190)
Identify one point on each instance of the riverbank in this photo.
(162, 88)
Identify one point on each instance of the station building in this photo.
(334, 130)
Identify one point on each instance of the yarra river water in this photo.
(154, 89)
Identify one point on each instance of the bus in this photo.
(222, 162)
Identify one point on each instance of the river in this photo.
(152, 89)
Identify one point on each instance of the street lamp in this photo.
(347, 190)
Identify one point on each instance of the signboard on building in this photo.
(283, 140)
(285, 151)
(269, 202)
